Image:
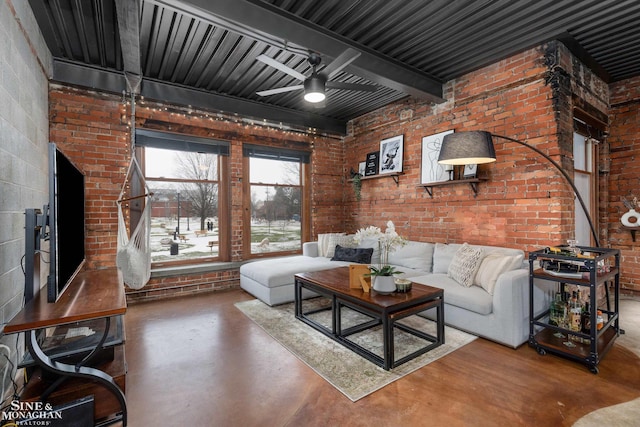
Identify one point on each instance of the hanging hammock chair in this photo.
(134, 252)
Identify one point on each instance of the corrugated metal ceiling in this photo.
(204, 53)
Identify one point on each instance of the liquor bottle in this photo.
(575, 312)
(585, 321)
(557, 311)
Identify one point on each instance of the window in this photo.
(276, 198)
(188, 211)
(583, 165)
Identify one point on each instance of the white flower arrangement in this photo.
(387, 242)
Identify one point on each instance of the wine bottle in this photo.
(585, 321)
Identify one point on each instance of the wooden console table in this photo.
(96, 294)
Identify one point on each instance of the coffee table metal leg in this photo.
(387, 336)
(440, 315)
(298, 298)
(337, 317)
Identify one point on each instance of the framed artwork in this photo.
(431, 170)
(361, 168)
(371, 164)
(470, 171)
(391, 150)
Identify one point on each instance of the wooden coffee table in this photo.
(385, 310)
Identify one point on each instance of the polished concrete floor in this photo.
(198, 361)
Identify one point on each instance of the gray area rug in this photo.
(350, 373)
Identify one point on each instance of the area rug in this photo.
(350, 373)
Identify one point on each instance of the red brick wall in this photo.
(625, 174)
(93, 130)
(524, 203)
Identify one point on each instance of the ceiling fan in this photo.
(314, 85)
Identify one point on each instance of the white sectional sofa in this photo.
(493, 304)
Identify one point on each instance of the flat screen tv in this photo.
(66, 222)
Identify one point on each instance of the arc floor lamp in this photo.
(464, 148)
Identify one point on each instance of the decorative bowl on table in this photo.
(403, 285)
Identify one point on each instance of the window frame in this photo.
(284, 154)
(189, 143)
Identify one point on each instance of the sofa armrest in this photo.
(310, 249)
(511, 302)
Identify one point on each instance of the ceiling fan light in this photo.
(314, 89)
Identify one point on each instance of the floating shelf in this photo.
(395, 176)
(473, 183)
(632, 230)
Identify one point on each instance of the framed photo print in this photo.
(470, 171)
(391, 151)
(432, 171)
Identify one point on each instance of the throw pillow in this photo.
(416, 255)
(442, 256)
(342, 240)
(323, 242)
(492, 266)
(465, 264)
(357, 255)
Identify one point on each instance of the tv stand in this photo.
(92, 295)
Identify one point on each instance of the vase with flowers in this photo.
(382, 280)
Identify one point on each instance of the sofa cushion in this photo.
(442, 256)
(279, 271)
(493, 265)
(371, 243)
(346, 241)
(323, 242)
(357, 255)
(465, 264)
(473, 299)
(415, 255)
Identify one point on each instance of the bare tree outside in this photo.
(275, 205)
(184, 208)
(201, 196)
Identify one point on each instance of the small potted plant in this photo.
(382, 279)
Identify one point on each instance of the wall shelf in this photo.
(473, 183)
(395, 176)
(632, 230)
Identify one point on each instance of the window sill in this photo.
(194, 269)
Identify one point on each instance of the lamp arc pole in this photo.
(565, 175)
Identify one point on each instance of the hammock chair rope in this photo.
(133, 256)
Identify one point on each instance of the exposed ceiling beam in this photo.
(261, 21)
(128, 13)
(110, 81)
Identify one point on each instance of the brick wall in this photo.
(625, 174)
(93, 130)
(524, 203)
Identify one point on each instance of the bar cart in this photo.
(588, 268)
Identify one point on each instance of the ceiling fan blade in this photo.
(351, 86)
(279, 90)
(344, 59)
(280, 66)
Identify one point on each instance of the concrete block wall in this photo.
(25, 64)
